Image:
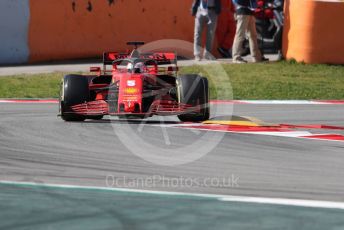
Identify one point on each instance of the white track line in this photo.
(224, 198)
(282, 134)
(14, 101)
(283, 102)
(252, 102)
(291, 134)
(287, 202)
(272, 133)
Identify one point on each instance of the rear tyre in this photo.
(194, 90)
(74, 91)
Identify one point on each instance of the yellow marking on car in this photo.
(131, 90)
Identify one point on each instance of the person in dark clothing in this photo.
(196, 4)
(206, 13)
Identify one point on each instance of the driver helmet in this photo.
(130, 67)
(139, 67)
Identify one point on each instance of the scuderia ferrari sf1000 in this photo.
(138, 85)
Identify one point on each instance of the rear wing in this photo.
(160, 58)
(109, 57)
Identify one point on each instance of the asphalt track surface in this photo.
(37, 146)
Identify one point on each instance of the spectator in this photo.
(225, 30)
(246, 23)
(205, 12)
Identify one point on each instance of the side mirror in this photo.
(96, 70)
(172, 69)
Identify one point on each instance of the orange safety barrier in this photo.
(67, 29)
(313, 31)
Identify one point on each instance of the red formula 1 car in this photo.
(139, 85)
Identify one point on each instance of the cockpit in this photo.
(136, 66)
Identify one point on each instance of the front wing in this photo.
(158, 107)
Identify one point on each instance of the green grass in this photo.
(281, 80)
(31, 86)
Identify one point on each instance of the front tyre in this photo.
(193, 90)
(74, 90)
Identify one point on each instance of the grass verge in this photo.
(30, 86)
(281, 80)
